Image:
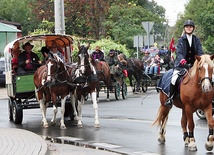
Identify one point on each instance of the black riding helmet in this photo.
(189, 23)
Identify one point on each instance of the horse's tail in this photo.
(158, 118)
(162, 116)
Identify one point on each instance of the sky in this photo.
(173, 8)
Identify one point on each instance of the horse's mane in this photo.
(204, 58)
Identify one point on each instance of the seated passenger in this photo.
(28, 61)
(54, 49)
(112, 61)
(154, 66)
(45, 51)
(15, 54)
(146, 59)
(98, 54)
(122, 65)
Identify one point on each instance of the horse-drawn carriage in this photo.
(142, 80)
(21, 88)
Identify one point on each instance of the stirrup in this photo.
(169, 102)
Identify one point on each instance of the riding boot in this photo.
(169, 101)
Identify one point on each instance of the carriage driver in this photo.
(187, 47)
(112, 61)
(28, 61)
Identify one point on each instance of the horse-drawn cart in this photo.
(21, 88)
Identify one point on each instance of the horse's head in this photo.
(52, 67)
(203, 67)
(83, 57)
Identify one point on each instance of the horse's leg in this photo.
(43, 108)
(163, 116)
(62, 123)
(55, 110)
(73, 104)
(79, 107)
(184, 128)
(108, 83)
(210, 138)
(98, 95)
(95, 106)
(137, 83)
(189, 114)
(41, 99)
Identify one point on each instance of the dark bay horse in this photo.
(85, 81)
(103, 75)
(51, 82)
(196, 92)
(135, 67)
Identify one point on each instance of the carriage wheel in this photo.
(117, 91)
(10, 109)
(200, 114)
(124, 90)
(144, 86)
(17, 113)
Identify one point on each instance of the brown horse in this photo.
(196, 92)
(135, 68)
(85, 81)
(103, 75)
(51, 83)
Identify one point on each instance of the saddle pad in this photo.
(164, 83)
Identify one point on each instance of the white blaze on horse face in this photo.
(82, 65)
(206, 85)
(49, 71)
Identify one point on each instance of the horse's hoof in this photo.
(45, 125)
(63, 127)
(136, 92)
(53, 123)
(161, 140)
(192, 146)
(186, 142)
(79, 125)
(107, 99)
(96, 125)
(75, 118)
(193, 149)
(209, 146)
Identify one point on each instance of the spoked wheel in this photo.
(117, 91)
(17, 112)
(124, 90)
(200, 114)
(10, 109)
(144, 86)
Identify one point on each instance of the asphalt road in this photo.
(125, 127)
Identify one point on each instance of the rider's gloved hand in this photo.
(183, 62)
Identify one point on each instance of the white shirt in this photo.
(189, 38)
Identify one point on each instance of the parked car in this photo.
(2, 71)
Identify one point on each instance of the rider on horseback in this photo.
(188, 46)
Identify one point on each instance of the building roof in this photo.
(8, 28)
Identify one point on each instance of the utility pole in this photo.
(59, 17)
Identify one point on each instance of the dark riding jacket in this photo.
(34, 60)
(181, 51)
